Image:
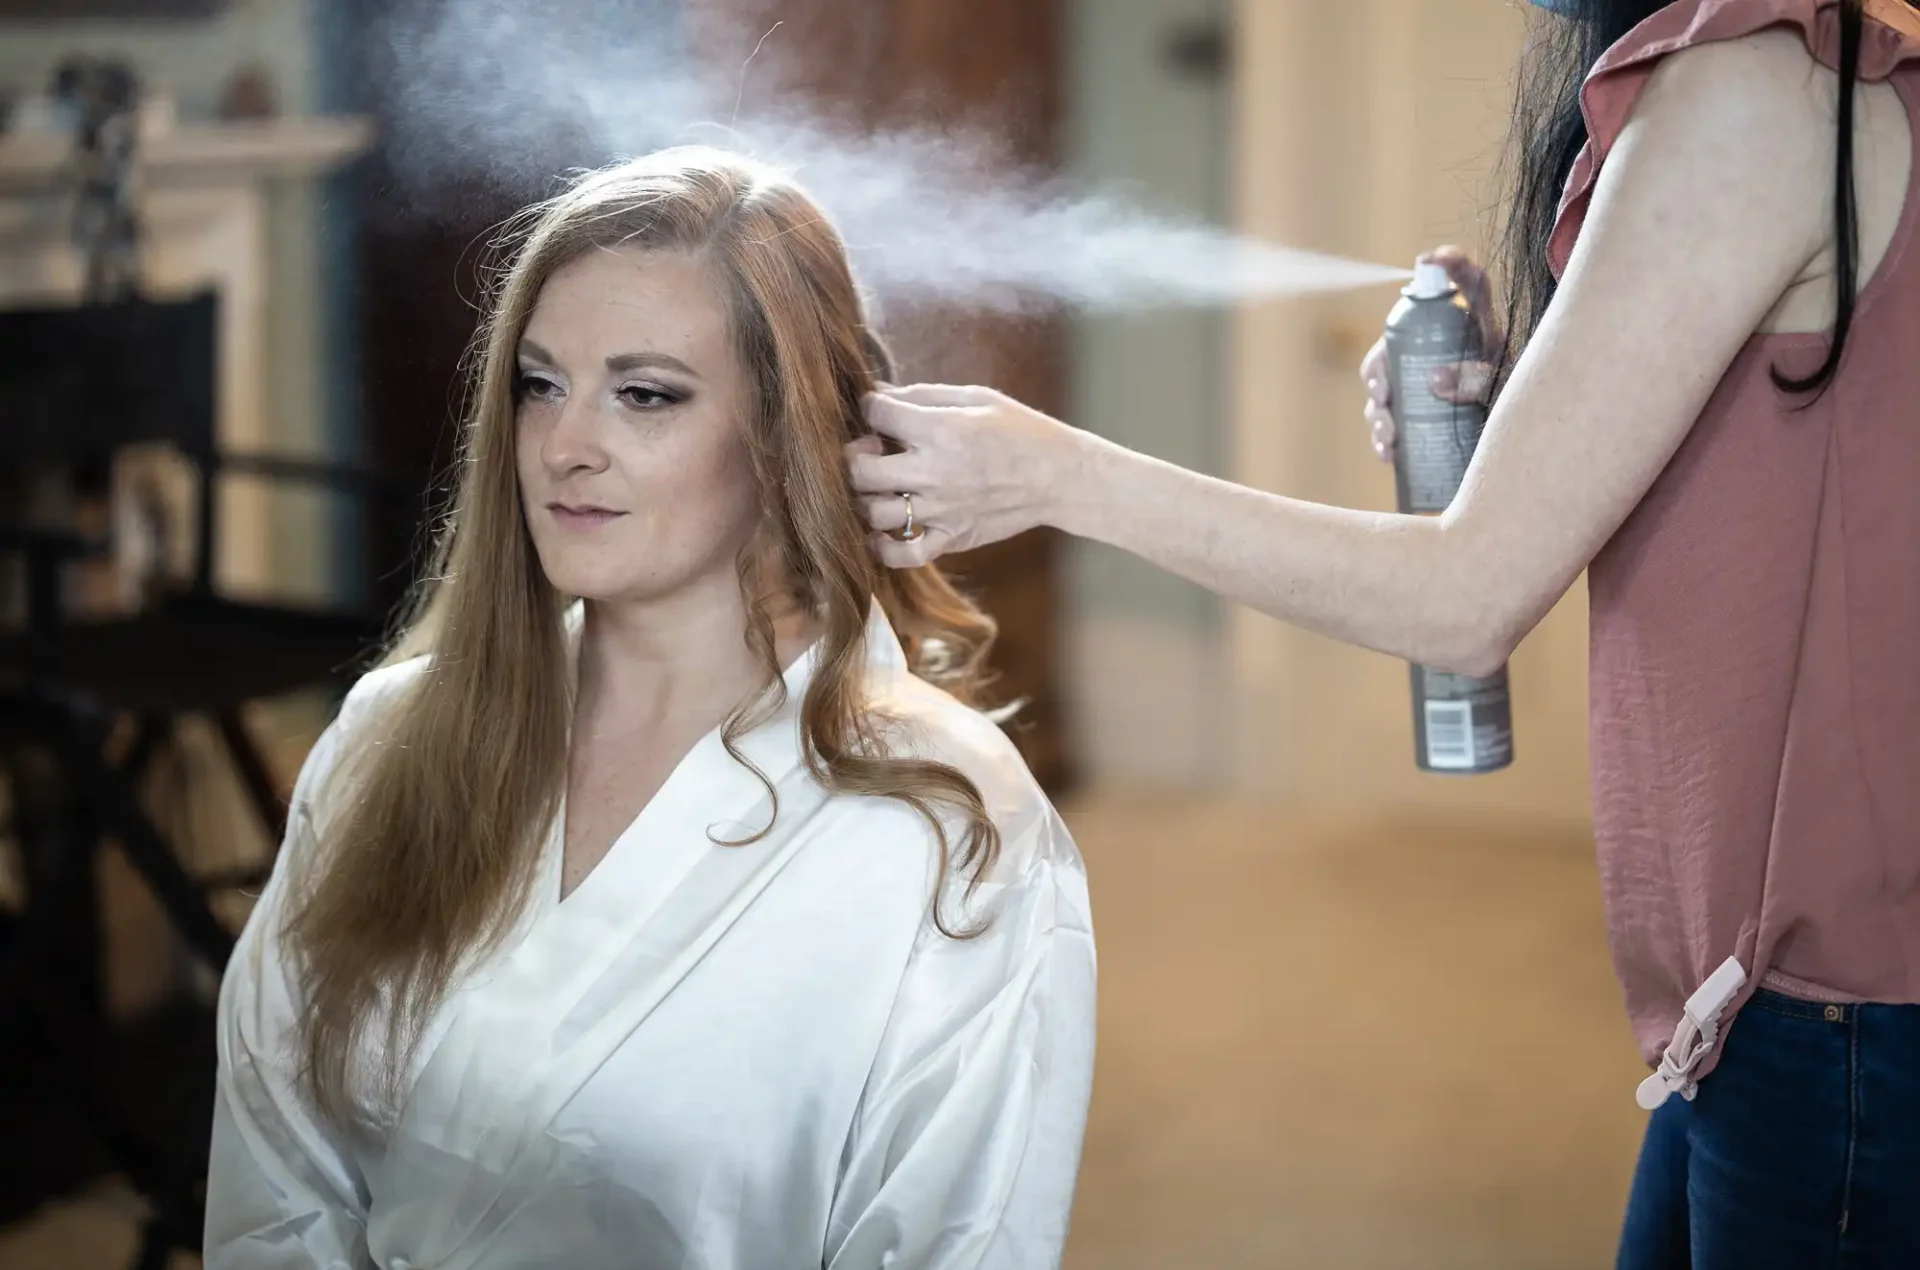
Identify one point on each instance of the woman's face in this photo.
(634, 474)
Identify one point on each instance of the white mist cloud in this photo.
(512, 94)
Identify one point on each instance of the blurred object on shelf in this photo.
(250, 94)
(102, 96)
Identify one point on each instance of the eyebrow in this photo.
(619, 361)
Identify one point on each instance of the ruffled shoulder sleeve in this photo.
(1891, 37)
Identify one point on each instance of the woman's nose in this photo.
(573, 444)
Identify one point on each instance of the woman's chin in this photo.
(593, 580)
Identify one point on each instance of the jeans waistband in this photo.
(1796, 1008)
(1822, 1011)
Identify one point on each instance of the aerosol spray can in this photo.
(1460, 724)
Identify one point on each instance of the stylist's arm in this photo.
(1693, 234)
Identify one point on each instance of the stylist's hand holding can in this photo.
(1427, 384)
(1471, 384)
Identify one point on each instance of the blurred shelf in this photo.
(199, 154)
(42, 10)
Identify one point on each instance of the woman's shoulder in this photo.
(1733, 85)
(1761, 86)
(381, 687)
(1033, 900)
(923, 721)
(1890, 32)
(370, 697)
(1697, 54)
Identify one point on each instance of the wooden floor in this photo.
(1326, 1046)
(1342, 1046)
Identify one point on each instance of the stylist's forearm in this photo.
(1395, 584)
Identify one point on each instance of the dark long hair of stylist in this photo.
(1549, 131)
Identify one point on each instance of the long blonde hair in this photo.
(431, 847)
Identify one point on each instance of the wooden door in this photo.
(1372, 130)
(872, 63)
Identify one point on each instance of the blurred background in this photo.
(1351, 1015)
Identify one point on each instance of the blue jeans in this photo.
(1800, 1152)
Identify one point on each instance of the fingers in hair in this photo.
(886, 473)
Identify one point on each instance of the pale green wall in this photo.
(1153, 382)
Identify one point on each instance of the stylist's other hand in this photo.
(976, 463)
(1471, 384)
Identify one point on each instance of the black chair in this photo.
(76, 386)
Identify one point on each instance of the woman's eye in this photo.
(643, 397)
(537, 388)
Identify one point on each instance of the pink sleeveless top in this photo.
(1756, 623)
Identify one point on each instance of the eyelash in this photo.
(531, 387)
(659, 397)
(637, 396)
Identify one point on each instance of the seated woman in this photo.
(655, 904)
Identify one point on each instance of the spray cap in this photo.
(1430, 281)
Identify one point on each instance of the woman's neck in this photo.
(676, 663)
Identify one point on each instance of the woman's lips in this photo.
(582, 517)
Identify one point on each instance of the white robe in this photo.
(706, 1056)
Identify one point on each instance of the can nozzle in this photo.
(1430, 281)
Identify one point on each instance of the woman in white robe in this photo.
(741, 1031)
